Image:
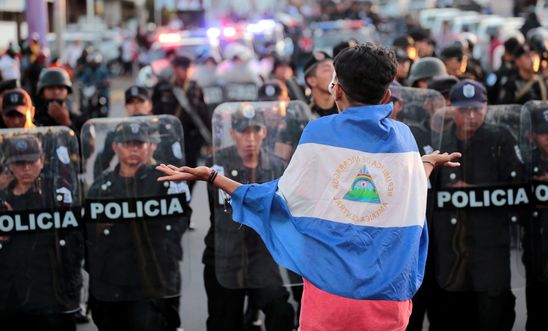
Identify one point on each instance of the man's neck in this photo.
(322, 99)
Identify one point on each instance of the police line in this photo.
(97, 210)
(492, 196)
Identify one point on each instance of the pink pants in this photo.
(322, 311)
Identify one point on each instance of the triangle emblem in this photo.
(363, 188)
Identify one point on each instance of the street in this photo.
(193, 311)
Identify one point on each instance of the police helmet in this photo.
(54, 77)
(427, 67)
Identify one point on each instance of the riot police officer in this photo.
(134, 267)
(470, 246)
(16, 106)
(4, 86)
(236, 261)
(423, 70)
(273, 90)
(138, 103)
(53, 105)
(40, 279)
(184, 99)
(525, 83)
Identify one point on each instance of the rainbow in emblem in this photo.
(363, 188)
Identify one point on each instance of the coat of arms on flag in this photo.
(363, 188)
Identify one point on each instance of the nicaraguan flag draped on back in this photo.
(348, 214)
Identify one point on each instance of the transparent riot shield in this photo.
(134, 224)
(415, 106)
(41, 240)
(475, 226)
(534, 134)
(240, 92)
(243, 151)
(213, 95)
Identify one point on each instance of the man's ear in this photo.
(338, 92)
(386, 97)
(311, 81)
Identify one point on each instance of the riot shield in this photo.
(240, 92)
(415, 106)
(243, 152)
(474, 230)
(534, 137)
(41, 241)
(213, 95)
(134, 224)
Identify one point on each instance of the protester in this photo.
(340, 292)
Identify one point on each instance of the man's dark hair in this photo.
(365, 71)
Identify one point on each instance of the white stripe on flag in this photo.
(353, 187)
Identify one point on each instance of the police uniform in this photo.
(535, 239)
(239, 264)
(470, 248)
(163, 134)
(55, 77)
(165, 102)
(134, 266)
(40, 280)
(518, 91)
(502, 75)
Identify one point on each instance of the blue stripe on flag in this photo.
(376, 132)
(358, 262)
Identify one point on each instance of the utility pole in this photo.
(36, 13)
(59, 24)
